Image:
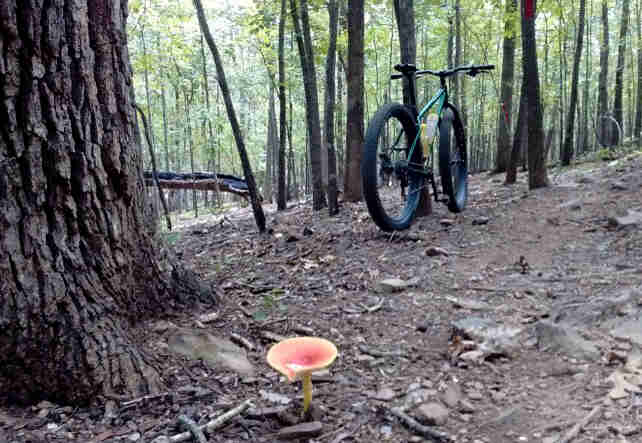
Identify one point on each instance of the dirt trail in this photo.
(547, 273)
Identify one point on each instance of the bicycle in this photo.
(389, 162)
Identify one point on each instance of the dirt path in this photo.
(507, 338)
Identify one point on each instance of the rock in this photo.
(434, 251)
(473, 356)
(385, 394)
(618, 186)
(475, 395)
(274, 397)
(629, 329)
(301, 431)
(631, 219)
(579, 312)
(478, 221)
(208, 318)
(396, 284)
(453, 395)
(564, 339)
(162, 326)
(446, 222)
(432, 414)
(471, 304)
(216, 351)
(494, 338)
(573, 205)
(134, 437)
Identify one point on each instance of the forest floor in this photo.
(511, 322)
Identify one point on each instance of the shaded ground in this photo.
(516, 261)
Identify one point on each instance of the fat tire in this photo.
(369, 173)
(454, 185)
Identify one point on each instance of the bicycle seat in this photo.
(406, 68)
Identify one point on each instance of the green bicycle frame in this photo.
(440, 99)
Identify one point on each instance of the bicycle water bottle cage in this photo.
(405, 68)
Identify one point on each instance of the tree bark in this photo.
(257, 209)
(281, 192)
(330, 96)
(508, 75)
(567, 148)
(269, 148)
(78, 263)
(618, 110)
(521, 133)
(638, 109)
(602, 100)
(355, 92)
(537, 175)
(306, 54)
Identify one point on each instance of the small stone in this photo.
(395, 284)
(52, 427)
(619, 186)
(385, 394)
(43, 413)
(208, 318)
(134, 437)
(480, 221)
(446, 222)
(45, 405)
(301, 431)
(632, 218)
(434, 251)
(432, 414)
(573, 205)
(475, 395)
(453, 395)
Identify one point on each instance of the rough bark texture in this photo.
(281, 193)
(257, 209)
(355, 116)
(330, 95)
(306, 54)
(405, 15)
(602, 97)
(618, 110)
(638, 109)
(537, 175)
(76, 260)
(521, 135)
(508, 75)
(567, 148)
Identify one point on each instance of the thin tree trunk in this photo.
(567, 148)
(508, 74)
(269, 146)
(281, 189)
(521, 132)
(602, 100)
(618, 108)
(306, 54)
(257, 209)
(355, 91)
(330, 71)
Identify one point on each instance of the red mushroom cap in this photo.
(301, 355)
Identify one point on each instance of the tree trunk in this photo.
(78, 263)
(537, 176)
(306, 54)
(521, 133)
(281, 189)
(355, 92)
(638, 109)
(257, 209)
(567, 148)
(619, 71)
(508, 74)
(330, 71)
(602, 100)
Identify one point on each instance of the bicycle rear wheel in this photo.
(391, 181)
(453, 161)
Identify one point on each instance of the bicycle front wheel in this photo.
(453, 161)
(391, 180)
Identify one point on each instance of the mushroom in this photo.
(299, 357)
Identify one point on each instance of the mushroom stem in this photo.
(307, 392)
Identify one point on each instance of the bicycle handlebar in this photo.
(471, 70)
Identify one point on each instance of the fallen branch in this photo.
(193, 428)
(417, 427)
(242, 341)
(214, 424)
(570, 435)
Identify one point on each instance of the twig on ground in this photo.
(417, 427)
(214, 424)
(242, 341)
(572, 433)
(374, 307)
(376, 353)
(127, 404)
(193, 428)
(245, 311)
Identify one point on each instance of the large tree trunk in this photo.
(537, 176)
(306, 54)
(619, 70)
(508, 74)
(567, 148)
(521, 136)
(77, 262)
(330, 71)
(602, 98)
(257, 209)
(355, 91)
